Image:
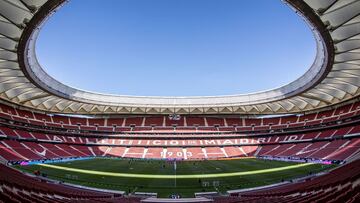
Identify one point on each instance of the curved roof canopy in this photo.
(333, 77)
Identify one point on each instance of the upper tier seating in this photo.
(201, 122)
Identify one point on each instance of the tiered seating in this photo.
(42, 117)
(27, 135)
(74, 135)
(49, 146)
(195, 121)
(22, 150)
(115, 121)
(137, 121)
(253, 122)
(25, 114)
(233, 151)
(154, 121)
(234, 121)
(7, 131)
(311, 135)
(83, 149)
(175, 153)
(334, 150)
(155, 153)
(215, 121)
(271, 121)
(289, 120)
(293, 149)
(24, 134)
(330, 147)
(278, 149)
(249, 150)
(134, 152)
(326, 133)
(143, 123)
(17, 187)
(172, 122)
(113, 151)
(340, 185)
(354, 129)
(96, 122)
(214, 152)
(77, 121)
(307, 118)
(204, 129)
(196, 153)
(348, 149)
(9, 154)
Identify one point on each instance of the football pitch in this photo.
(180, 177)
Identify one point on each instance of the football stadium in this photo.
(298, 142)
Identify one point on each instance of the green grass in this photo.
(159, 176)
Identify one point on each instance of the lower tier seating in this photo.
(342, 149)
(340, 185)
(326, 150)
(23, 151)
(16, 187)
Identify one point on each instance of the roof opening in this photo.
(176, 48)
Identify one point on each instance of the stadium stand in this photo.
(316, 122)
(24, 140)
(17, 187)
(146, 122)
(340, 185)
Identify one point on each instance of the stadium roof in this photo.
(332, 78)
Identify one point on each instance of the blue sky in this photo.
(175, 47)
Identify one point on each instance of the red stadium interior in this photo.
(313, 120)
(330, 134)
(326, 135)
